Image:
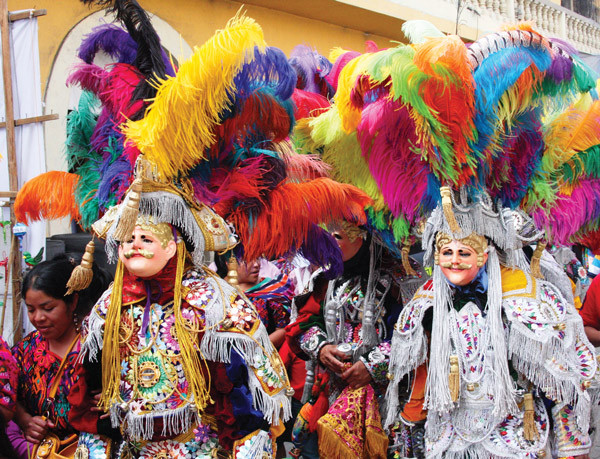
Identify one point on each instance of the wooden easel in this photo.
(14, 261)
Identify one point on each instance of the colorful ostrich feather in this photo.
(48, 196)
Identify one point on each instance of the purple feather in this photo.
(310, 67)
(116, 177)
(561, 68)
(268, 68)
(105, 130)
(321, 249)
(111, 39)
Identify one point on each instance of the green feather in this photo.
(80, 126)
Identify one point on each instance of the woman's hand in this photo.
(332, 358)
(357, 375)
(36, 428)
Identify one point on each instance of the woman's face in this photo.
(248, 272)
(50, 316)
(459, 262)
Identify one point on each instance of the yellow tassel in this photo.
(535, 260)
(454, 378)
(82, 275)
(330, 445)
(376, 444)
(111, 360)
(128, 219)
(232, 275)
(406, 262)
(446, 193)
(188, 342)
(530, 431)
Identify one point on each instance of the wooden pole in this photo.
(12, 166)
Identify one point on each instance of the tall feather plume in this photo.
(389, 143)
(194, 99)
(342, 151)
(583, 164)
(48, 196)
(508, 69)
(511, 174)
(572, 131)
(149, 58)
(81, 159)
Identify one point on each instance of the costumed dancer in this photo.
(186, 366)
(192, 340)
(343, 327)
(499, 344)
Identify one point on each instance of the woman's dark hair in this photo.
(221, 263)
(51, 277)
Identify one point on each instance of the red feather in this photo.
(308, 104)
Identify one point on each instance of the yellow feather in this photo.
(179, 124)
(350, 115)
(574, 130)
(335, 53)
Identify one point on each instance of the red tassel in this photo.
(321, 406)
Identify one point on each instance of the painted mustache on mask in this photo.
(144, 253)
(450, 265)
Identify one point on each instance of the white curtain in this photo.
(31, 158)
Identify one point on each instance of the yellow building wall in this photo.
(196, 21)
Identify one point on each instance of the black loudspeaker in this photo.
(76, 242)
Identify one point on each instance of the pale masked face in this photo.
(459, 262)
(144, 255)
(348, 246)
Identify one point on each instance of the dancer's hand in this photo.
(357, 375)
(332, 358)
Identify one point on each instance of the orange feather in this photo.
(292, 209)
(48, 196)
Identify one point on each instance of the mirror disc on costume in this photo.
(149, 374)
(82, 452)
